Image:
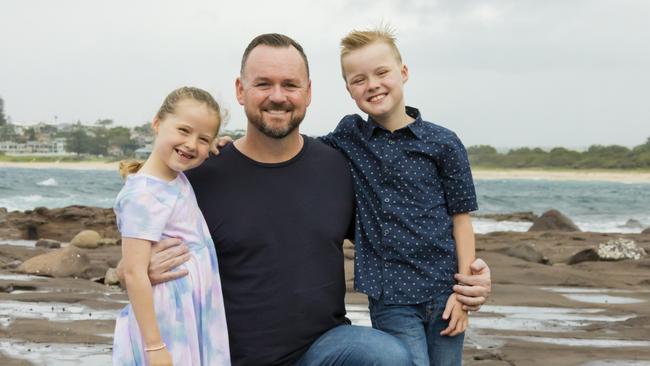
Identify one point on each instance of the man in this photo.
(278, 205)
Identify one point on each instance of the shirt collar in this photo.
(416, 127)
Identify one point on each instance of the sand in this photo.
(496, 174)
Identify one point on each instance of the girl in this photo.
(180, 322)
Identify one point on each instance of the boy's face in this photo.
(375, 79)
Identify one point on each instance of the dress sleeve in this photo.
(457, 179)
(141, 215)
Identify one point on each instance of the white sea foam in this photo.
(48, 182)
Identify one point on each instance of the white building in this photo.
(36, 148)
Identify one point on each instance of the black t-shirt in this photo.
(278, 231)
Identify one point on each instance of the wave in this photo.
(49, 182)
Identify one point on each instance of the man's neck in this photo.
(261, 148)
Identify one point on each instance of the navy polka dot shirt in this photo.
(408, 184)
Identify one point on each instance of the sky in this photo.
(506, 73)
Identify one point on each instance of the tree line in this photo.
(595, 157)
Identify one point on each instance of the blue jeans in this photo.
(355, 346)
(419, 327)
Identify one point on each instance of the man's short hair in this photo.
(275, 40)
(357, 39)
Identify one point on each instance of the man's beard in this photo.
(277, 133)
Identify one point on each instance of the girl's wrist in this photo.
(155, 347)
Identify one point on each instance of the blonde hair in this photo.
(131, 166)
(357, 39)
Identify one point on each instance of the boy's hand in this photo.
(161, 357)
(458, 318)
(219, 143)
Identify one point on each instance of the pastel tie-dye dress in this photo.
(189, 310)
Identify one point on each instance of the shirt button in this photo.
(386, 265)
(391, 142)
(386, 232)
(386, 199)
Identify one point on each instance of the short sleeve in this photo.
(141, 215)
(456, 176)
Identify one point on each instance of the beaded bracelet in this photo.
(157, 348)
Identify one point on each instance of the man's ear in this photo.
(239, 90)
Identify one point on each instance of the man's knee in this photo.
(381, 349)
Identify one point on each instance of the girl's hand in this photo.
(458, 318)
(161, 357)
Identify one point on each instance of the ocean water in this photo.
(593, 206)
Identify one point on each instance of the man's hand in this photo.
(475, 288)
(166, 255)
(219, 143)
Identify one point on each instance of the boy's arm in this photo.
(465, 243)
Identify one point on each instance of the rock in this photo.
(526, 252)
(646, 231)
(619, 249)
(3, 214)
(110, 241)
(632, 224)
(88, 239)
(526, 216)
(553, 220)
(58, 223)
(111, 277)
(48, 243)
(13, 264)
(66, 262)
(613, 250)
(587, 255)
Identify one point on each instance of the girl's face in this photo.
(183, 138)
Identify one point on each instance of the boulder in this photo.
(632, 224)
(587, 255)
(12, 265)
(646, 231)
(48, 243)
(88, 239)
(613, 250)
(66, 262)
(58, 223)
(526, 216)
(111, 277)
(553, 220)
(619, 249)
(526, 252)
(109, 241)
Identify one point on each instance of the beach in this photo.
(622, 176)
(538, 314)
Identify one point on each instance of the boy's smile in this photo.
(375, 79)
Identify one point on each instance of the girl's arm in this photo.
(135, 258)
(465, 244)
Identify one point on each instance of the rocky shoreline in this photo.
(542, 311)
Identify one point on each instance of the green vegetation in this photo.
(53, 159)
(596, 157)
(3, 119)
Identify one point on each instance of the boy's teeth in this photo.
(377, 97)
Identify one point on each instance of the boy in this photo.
(414, 192)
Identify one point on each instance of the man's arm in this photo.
(166, 255)
(476, 287)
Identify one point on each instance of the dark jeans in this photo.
(419, 327)
(353, 345)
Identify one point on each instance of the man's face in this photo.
(274, 89)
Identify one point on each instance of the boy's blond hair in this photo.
(357, 39)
